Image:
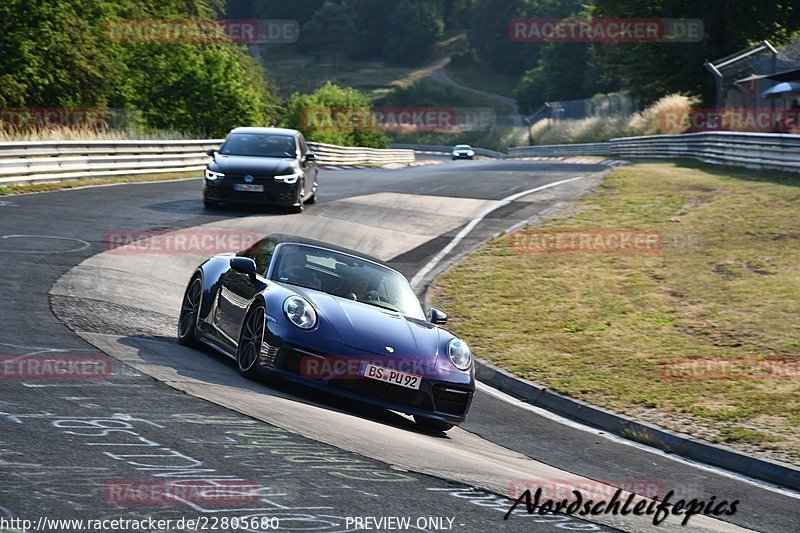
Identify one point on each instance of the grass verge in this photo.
(482, 78)
(8, 190)
(601, 326)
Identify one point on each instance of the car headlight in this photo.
(290, 178)
(300, 312)
(470, 153)
(459, 354)
(211, 175)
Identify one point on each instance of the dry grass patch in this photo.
(725, 287)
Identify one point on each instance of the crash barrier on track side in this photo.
(41, 161)
(560, 149)
(775, 151)
(448, 149)
(330, 154)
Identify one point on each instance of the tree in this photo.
(371, 21)
(335, 115)
(330, 31)
(298, 10)
(57, 54)
(49, 56)
(422, 27)
(655, 69)
(487, 34)
(207, 92)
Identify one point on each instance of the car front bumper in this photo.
(274, 193)
(443, 395)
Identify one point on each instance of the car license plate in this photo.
(395, 377)
(246, 187)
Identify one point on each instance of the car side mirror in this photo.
(436, 317)
(244, 265)
(211, 151)
(311, 156)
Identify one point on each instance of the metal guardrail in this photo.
(754, 150)
(560, 149)
(448, 149)
(30, 162)
(329, 154)
(40, 161)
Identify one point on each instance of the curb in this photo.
(632, 429)
(389, 166)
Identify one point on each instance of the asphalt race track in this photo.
(321, 463)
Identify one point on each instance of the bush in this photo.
(335, 115)
(600, 129)
(651, 122)
(205, 90)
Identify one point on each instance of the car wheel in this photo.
(314, 190)
(429, 424)
(250, 341)
(210, 204)
(190, 311)
(299, 208)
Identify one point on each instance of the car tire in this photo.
(190, 311)
(251, 339)
(209, 204)
(297, 209)
(429, 424)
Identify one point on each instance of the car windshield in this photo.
(463, 147)
(346, 276)
(260, 145)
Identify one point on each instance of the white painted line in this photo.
(474, 222)
(577, 425)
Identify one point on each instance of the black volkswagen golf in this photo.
(261, 166)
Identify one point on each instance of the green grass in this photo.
(8, 190)
(292, 71)
(428, 93)
(598, 326)
(482, 78)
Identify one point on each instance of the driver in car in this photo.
(359, 285)
(294, 270)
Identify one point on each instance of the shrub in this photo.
(315, 115)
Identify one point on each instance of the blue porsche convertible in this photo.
(334, 319)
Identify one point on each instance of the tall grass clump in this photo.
(650, 121)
